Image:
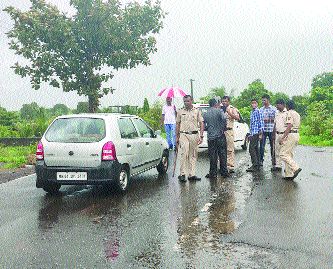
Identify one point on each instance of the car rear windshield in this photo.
(76, 130)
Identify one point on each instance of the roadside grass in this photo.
(15, 156)
(317, 141)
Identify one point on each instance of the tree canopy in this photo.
(80, 52)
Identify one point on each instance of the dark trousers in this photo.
(263, 144)
(217, 148)
(254, 149)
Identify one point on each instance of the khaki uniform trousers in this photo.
(229, 135)
(278, 161)
(188, 144)
(287, 154)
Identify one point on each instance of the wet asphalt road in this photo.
(247, 221)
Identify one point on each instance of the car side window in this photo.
(127, 129)
(143, 128)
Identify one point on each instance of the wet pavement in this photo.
(247, 221)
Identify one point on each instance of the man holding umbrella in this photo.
(169, 120)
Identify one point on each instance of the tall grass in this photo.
(15, 156)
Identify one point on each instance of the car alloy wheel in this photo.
(165, 163)
(123, 179)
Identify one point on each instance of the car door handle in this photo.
(147, 143)
(128, 145)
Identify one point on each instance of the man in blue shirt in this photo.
(268, 113)
(256, 129)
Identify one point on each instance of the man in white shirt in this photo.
(169, 120)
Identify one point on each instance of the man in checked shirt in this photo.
(256, 130)
(268, 113)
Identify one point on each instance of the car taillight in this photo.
(109, 152)
(40, 151)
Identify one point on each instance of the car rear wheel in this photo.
(163, 166)
(51, 188)
(122, 180)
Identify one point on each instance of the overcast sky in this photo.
(285, 43)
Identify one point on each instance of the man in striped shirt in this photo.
(268, 113)
(256, 129)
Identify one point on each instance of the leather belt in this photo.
(292, 131)
(193, 132)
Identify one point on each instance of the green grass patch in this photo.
(15, 156)
(318, 141)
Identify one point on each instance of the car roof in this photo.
(200, 105)
(96, 115)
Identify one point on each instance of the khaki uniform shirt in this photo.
(230, 121)
(189, 120)
(280, 120)
(294, 119)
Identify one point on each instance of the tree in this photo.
(82, 107)
(255, 89)
(145, 105)
(323, 80)
(32, 111)
(279, 95)
(8, 118)
(301, 104)
(73, 52)
(153, 116)
(60, 109)
(217, 91)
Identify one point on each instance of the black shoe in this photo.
(252, 169)
(288, 178)
(210, 176)
(297, 172)
(276, 169)
(182, 178)
(194, 178)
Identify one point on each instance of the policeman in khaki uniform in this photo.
(280, 126)
(188, 122)
(289, 141)
(231, 114)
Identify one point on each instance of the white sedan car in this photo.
(241, 130)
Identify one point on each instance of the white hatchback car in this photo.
(241, 130)
(89, 149)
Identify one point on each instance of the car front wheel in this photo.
(163, 166)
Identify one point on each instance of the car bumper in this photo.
(106, 172)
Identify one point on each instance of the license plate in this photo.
(71, 175)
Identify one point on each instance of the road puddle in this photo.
(220, 216)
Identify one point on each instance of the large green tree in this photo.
(323, 80)
(214, 92)
(79, 52)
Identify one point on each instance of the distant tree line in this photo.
(315, 107)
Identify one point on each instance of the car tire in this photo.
(244, 146)
(122, 180)
(51, 188)
(163, 165)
